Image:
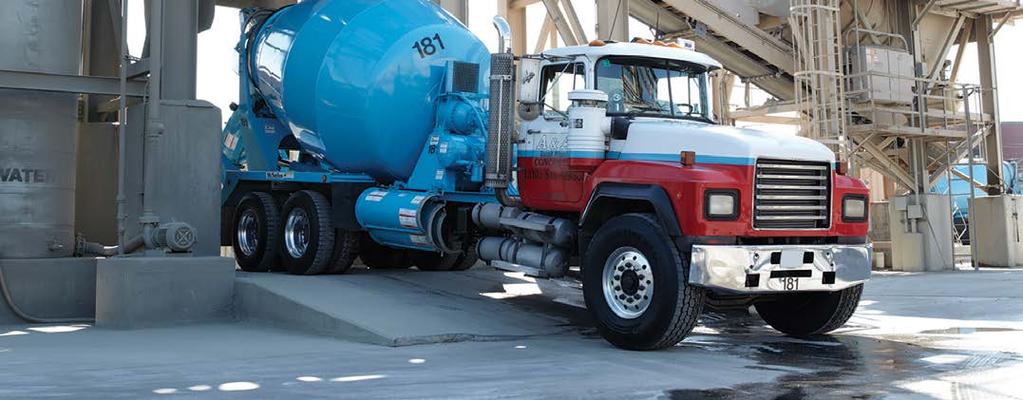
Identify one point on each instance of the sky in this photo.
(218, 62)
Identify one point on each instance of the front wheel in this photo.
(634, 284)
(808, 314)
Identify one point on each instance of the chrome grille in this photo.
(792, 195)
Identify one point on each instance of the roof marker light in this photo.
(687, 158)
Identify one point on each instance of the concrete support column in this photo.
(101, 51)
(458, 8)
(613, 20)
(989, 101)
(180, 45)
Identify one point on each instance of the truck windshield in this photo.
(652, 87)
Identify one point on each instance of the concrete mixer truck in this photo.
(383, 129)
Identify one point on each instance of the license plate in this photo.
(791, 258)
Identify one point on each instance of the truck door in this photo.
(543, 157)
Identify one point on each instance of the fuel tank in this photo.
(356, 81)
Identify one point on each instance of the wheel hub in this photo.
(628, 283)
(297, 233)
(248, 233)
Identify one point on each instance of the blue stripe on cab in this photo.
(700, 158)
(664, 157)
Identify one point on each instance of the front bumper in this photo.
(772, 269)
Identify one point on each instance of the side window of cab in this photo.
(557, 81)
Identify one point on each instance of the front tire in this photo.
(256, 225)
(307, 234)
(634, 284)
(809, 314)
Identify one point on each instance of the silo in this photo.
(38, 131)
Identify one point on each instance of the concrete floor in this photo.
(939, 335)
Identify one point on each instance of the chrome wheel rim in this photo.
(628, 282)
(248, 233)
(296, 233)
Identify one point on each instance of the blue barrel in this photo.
(356, 80)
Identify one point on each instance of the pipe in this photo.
(154, 128)
(98, 249)
(506, 199)
(504, 31)
(122, 118)
(30, 318)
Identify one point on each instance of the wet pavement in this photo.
(949, 335)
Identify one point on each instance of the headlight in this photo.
(721, 205)
(854, 208)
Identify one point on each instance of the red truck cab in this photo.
(674, 211)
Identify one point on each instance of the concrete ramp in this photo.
(409, 307)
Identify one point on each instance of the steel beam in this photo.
(989, 102)
(964, 40)
(61, 83)
(950, 39)
(890, 167)
(613, 20)
(748, 37)
(544, 38)
(573, 21)
(731, 58)
(561, 22)
(923, 13)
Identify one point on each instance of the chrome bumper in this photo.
(769, 269)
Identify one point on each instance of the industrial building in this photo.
(504, 198)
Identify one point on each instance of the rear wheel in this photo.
(346, 250)
(635, 287)
(307, 235)
(808, 314)
(433, 261)
(256, 226)
(378, 256)
(468, 259)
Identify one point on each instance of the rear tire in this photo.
(307, 234)
(433, 261)
(346, 250)
(257, 222)
(378, 256)
(809, 314)
(468, 259)
(634, 284)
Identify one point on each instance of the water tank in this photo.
(356, 80)
(38, 130)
